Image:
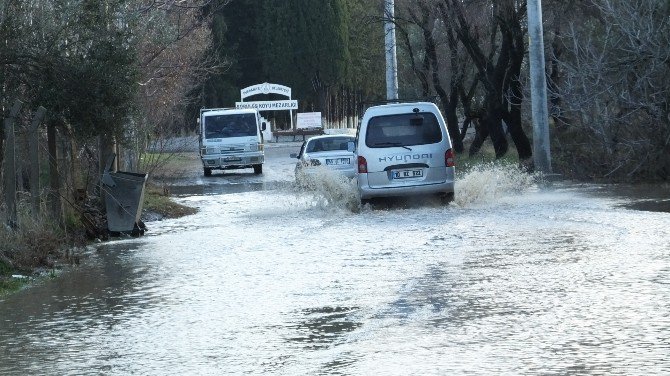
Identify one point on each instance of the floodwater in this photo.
(512, 278)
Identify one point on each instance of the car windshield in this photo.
(230, 125)
(403, 130)
(328, 144)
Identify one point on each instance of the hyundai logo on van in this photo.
(405, 158)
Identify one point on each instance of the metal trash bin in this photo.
(124, 197)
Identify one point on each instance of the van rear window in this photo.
(329, 144)
(403, 130)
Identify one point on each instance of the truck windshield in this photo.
(403, 130)
(230, 125)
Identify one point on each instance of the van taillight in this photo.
(362, 165)
(449, 160)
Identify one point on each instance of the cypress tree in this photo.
(312, 46)
(304, 42)
(234, 42)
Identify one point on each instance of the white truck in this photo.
(230, 139)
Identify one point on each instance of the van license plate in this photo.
(337, 161)
(406, 174)
(232, 159)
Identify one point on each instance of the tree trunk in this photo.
(466, 102)
(2, 145)
(513, 87)
(481, 133)
(493, 123)
(449, 102)
(513, 120)
(521, 141)
(420, 73)
(54, 197)
(452, 121)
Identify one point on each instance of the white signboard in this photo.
(308, 120)
(269, 105)
(265, 88)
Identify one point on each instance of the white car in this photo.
(404, 150)
(334, 152)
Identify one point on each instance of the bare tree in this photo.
(436, 58)
(499, 60)
(116, 69)
(173, 38)
(615, 90)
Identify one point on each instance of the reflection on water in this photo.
(223, 186)
(512, 279)
(641, 197)
(323, 326)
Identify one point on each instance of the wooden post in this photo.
(33, 146)
(55, 204)
(108, 161)
(107, 147)
(10, 165)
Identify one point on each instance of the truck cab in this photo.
(230, 139)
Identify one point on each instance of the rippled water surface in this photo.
(509, 279)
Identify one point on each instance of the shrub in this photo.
(33, 243)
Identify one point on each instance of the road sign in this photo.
(269, 105)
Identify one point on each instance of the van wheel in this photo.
(258, 169)
(447, 198)
(208, 171)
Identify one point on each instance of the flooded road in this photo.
(512, 278)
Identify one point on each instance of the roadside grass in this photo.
(9, 285)
(162, 165)
(485, 156)
(39, 244)
(157, 200)
(35, 243)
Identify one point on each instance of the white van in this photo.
(231, 139)
(404, 149)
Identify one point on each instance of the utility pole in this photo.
(538, 88)
(391, 59)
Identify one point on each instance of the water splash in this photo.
(483, 184)
(330, 189)
(488, 182)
